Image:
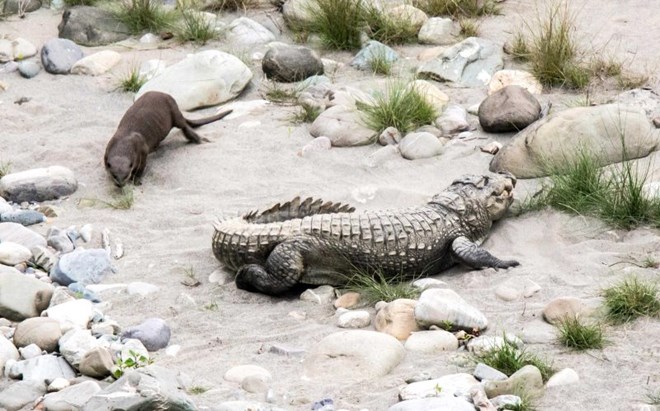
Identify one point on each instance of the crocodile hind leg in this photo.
(470, 254)
(284, 268)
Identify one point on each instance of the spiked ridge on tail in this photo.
(296, 209)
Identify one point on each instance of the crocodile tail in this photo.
(296, 209)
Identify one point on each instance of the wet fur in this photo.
(146, 123)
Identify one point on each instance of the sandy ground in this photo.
(186, 187)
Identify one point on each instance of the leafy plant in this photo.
(195, 27)
(580, 336)
(141, 15)
(132, 81)
(400, 106)
(132, 361)
(508, 358)
(631, 299)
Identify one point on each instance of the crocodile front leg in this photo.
(470, 254)
(284, 268)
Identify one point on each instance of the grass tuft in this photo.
(337, 22)
(631, 299)
(144, 15)
(195, 27)
(579, 336)
(132, 81)
(458, 8)
(231, 5)
(122, 201)
(388, 29)
(374, 286)
(276, 93)
(379, 63)
(197, 390)
(72, 3)
(400, 106)
(469, 27)
(306, 114)
(5, 168)
(190, 277)
(508, 358)
(653, 398)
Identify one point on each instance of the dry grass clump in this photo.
(144, 15)
(196, 28)
(458, 8)
(580, 336)
(631, 299)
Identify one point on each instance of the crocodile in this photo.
(314, 242)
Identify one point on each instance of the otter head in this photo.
(125, 157)
(120, 168)
(492, 192)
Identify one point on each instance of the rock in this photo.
(59, 55)
(239, 373)
(354, 319)
(373, 50)
(75, 344)
(154, 333)
(538, 332)
(22, 393)
(343, 126)
(13, 253)
(527, 379)
(432, 94)
(22, 49)
(97, 63)
(42, 368)
(16, 233)
(39, 184)
(30, 351)
(524, 79)
(13, 7)
(58, 384)
(318, 144)
(443, 307)
(43, 257)
(246, 405)
(96, 363)
(349, 299)
(389, 136)
(382, 155)
(22, 297)
(288, 351)
(484, 372)
(5, 207)
(443, 403)
(82, 266)
(438, 31)
(646, 99)
(562, 308)
(397, 318)
(353, 355)
(152, 68)
(23, 217)
(7, 352)
(470, 63)
(491, 148)
(561, 136)
(247, 32)
(72, 314)
(291, 63)
(452, 385)
(453, 120)
(6, 51)
(202, 79)
(415, 146)
(43, 331)
(72, 397)
(516, 288)
(408, 15)
(145, 388)
(426, 283)
(485, 343)
(434, 341)
(91, 26)
(60, 241)
(298, 13)
(511, 108)
(141, 289)
(567, 376)
(324, 294)
(503, 402)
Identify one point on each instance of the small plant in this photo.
(141, 15)
(5, 168)
(653, 398)
(306, 114)
(231, 5)
(190, 279)
(469, 27)
(525, 404)
(629, 81)
(400, 106)
(132, 81)
(195, 27)
(379, 63)
(458, 8)
(374, 286)
(508, 358)
(134, 360)
(122, 201)
(631, 299)
(519, 47)
(211, 306)
(279, 94)
(337, 22)
(579, 336)
(197, 390)
(388, 29)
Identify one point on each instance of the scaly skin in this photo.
(323, 243)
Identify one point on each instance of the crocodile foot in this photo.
(255, 278)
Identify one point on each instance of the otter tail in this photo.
(202, 121)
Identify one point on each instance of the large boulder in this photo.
(291, 63)
(202, 79)
(511, 108)
(59, 55)
(343, 126)
(22, 297)
(92, 26)
(560, 137)
(38, 184)
(470, 63)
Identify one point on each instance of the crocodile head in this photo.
(491, 192)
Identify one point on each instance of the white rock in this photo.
(437, 30)
(203, 79)
(149, 38)
(173, 350)
(324, 294)
(431, 93)
(485, 343)
(426, 283)
(453, 120)
(86, 232)
(354, 319)
(381, 156)
(22, 49)
(72, 314)
(245, 31)
(152, 68)
(97, 63)
(239, 373)
(415, 146)
(567, 376)
(344, 127)
(58, 384)
(431, 341)
(438, 306)
(321, 143)
(516, 288)
(452, 385)
(520, 78)
(75, 344)
(141, 289)
(220, 277)
(12, 253)
(30, 351)
(7, 352)
(71, 398)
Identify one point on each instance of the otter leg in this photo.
(470, 254)
(192, 135)
(283, 269)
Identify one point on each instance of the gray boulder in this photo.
(82, 266)
(59, 55)
(561, 136)
(147, 388)
(154, 333)
(511, 108)
(291, 63)
(42, 368)
(21, 296)
(13, 6)
(470, 63)
(91, 26)
(20, 394)
(38, 184)
(28, 68)
(18, 234)
(373, 50)
(72, 397)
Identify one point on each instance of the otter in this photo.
(146, 123)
